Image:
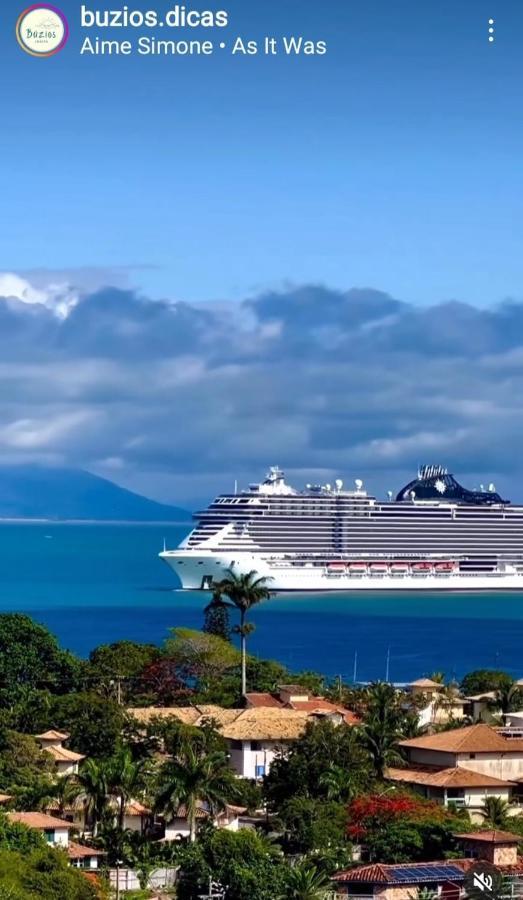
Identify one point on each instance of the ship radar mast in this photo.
(274, 483)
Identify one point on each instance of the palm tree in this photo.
(306, 882)
(125, 779)
(92, 791)
(383, 726)
(509, 696)
(244, 591)
(60, 795)
(496, 812)
(338, 783)
(193, 778)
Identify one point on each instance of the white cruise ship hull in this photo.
(197, 569)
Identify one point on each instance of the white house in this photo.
(178, 828)
(464, 766)
(56, 832)
(254, 736)
(257, 736)
(66, 761)
(137, 816)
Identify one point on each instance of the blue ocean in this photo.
(93, 584)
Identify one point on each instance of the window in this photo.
(49, 835)
(260, 771)
(472, 756)
(256, 745)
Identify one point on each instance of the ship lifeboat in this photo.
(358, 568)
(445, 568)
(336, 568)
(379, 568)
(399, 568)
(421, 568)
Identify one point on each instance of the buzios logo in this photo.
(42, 30)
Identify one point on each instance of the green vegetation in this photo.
(508, 694)
(325, 793)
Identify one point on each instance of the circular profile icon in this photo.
(42, 30)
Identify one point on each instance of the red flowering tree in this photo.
(398, 827)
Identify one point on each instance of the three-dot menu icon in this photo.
(491, 30)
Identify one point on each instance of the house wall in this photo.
(87, 862)
(58, 836)
(66, 768)
(134, 823)
(248, 762)
(423, 757)
(507, 766)
(178, 828)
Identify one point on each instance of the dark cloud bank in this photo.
(177, 400)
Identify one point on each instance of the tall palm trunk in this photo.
(243, 652)
(191, 813)
(121, 810)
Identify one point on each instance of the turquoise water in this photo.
(93, 584)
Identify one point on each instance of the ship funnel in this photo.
(339, 484)
(492, 488)
(359, 484)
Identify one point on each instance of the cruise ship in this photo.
(435, 535)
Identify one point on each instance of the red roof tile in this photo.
(260, 700)
(492, 837)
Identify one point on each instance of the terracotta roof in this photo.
(311, 705)
(266, 724)
(135, 808)
(319, 705)
(188, 715)
(478, 738)
(264, 700)
(52, 736)
(486, 695)
(201, 812)
(380, 873)
(38, 820)
(5, 798)
(80, 851)
(456, 776)
(426, 683)
(259, 723)
(62, 754)
(492, 837)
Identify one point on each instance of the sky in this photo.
(213, 264)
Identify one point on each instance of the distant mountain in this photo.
(38, 492)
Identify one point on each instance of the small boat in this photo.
(358, 568)
(336, 568)
(378, 568)
(399, 568)
(444, 568)
(421, 568)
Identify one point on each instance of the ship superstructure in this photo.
(434, 535)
